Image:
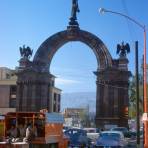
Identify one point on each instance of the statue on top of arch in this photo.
(26, 52)
(75, 9)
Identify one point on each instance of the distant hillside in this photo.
(79, 99)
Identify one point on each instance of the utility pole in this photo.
(145, 111)
(137, 93)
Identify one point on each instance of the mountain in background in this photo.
(79, 99)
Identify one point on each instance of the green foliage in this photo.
(132, 95)
(85, 118)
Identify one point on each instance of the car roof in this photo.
(88, 129)
(75, 129)
(119, 128)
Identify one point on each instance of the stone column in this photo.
(33, 91)
(112, 97)
(19, 96)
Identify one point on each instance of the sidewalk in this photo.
(133, 144)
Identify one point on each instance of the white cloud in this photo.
(61, 81)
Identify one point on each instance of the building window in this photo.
(12, 103)
(59, 98)
(12, 100)
(7, 76)
(54, 108)
(59, 108)
(55, 96)
(13, 89)
(52, 83)
(54, 102)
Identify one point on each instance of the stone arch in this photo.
(34, 81)
(49, 47)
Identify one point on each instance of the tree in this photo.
(85, 120)
(132, 94)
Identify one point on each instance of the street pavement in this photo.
(133, 144)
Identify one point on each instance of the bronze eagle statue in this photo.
(26, 52)
(123, 49)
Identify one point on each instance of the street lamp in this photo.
(102, 10)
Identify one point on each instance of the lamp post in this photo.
(102, 10)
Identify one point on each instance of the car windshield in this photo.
(115, 136)
(77, 132)
(91, 131)
(120, 129)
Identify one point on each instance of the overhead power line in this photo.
(132, 32)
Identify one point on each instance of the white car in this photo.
(92, 134)
(124, 130)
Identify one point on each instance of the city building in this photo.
(73, 112)
(56, 99)
(75, 116)
(8, 91)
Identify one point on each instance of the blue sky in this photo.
(30, 22)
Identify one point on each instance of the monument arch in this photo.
(35, 80)
(49, 47)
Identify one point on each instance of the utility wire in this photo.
(132, 32)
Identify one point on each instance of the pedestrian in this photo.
(13, 134)
(29, 133)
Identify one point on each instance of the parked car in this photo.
(111, 139)
(133, 134)
(66, 128)
(77, 137)
(92, 133)
(124, 130)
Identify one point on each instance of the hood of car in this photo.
(108, 142)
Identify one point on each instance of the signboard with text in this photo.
(145, 117)
(54, 118)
